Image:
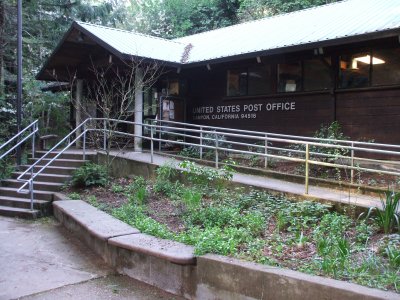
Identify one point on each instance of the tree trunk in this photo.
(2, 73)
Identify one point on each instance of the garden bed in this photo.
(254, 226)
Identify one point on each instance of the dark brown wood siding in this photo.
(208, 89)
(370, 115)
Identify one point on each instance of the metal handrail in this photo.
(33, 127)
(197, 132)
(31, 168)
(284, 136)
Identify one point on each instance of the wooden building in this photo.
(284, 74)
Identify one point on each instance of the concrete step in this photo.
(65, 155)
(52, 169)
(38, 195)
(56, 178)
(75, 163)
(37, 185)
(23, 202)
(19, 212)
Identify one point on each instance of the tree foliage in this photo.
(255, 9)
(176, 18)
(44, 22)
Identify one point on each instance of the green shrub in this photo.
(6, 168)
(90, 175)
(166, 172)
(138, 183)
(166, 182)
(205, 175)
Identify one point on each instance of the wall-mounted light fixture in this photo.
(178, 70)
(208, 67)
(259, 59)
(110, 59)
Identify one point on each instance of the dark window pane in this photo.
(354, 70)
(289, 77)
(317, 74)
(386, 67)
(237, 83)
(259, 80)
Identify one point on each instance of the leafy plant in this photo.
(191, 151)
(74, 196)
(209, 139)
(138, 183)
(205, 175)
(90, 174)
(117, 189)
(6, 168)
(139, 197)
(135, 216)
(388, 217)
(192, 199)
(393, 255)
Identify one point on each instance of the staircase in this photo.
(52, 179)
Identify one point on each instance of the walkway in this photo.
(41, 260)
(340, 196)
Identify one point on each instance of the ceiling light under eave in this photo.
(367, 60)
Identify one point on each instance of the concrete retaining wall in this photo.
(122, 167)
(222, 277)
(172, 266)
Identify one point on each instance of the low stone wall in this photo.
(173, 267)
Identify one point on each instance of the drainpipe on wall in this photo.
(138, 109)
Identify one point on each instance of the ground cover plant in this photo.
(254, 225)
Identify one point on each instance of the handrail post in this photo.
(33, 139)
(84, 141)
(31, 192)
(216, 150)
(159, 137)
(266, 152)
(352, 163)
(104, 135)
(307, 167)
(201, 142)
(151, 144)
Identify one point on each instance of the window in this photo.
(289, 77)
(386, 67)
(317, 74)
(249, 81)
(237, 82)
(355, 70)
(259, 79)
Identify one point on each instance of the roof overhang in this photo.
(79, 50)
